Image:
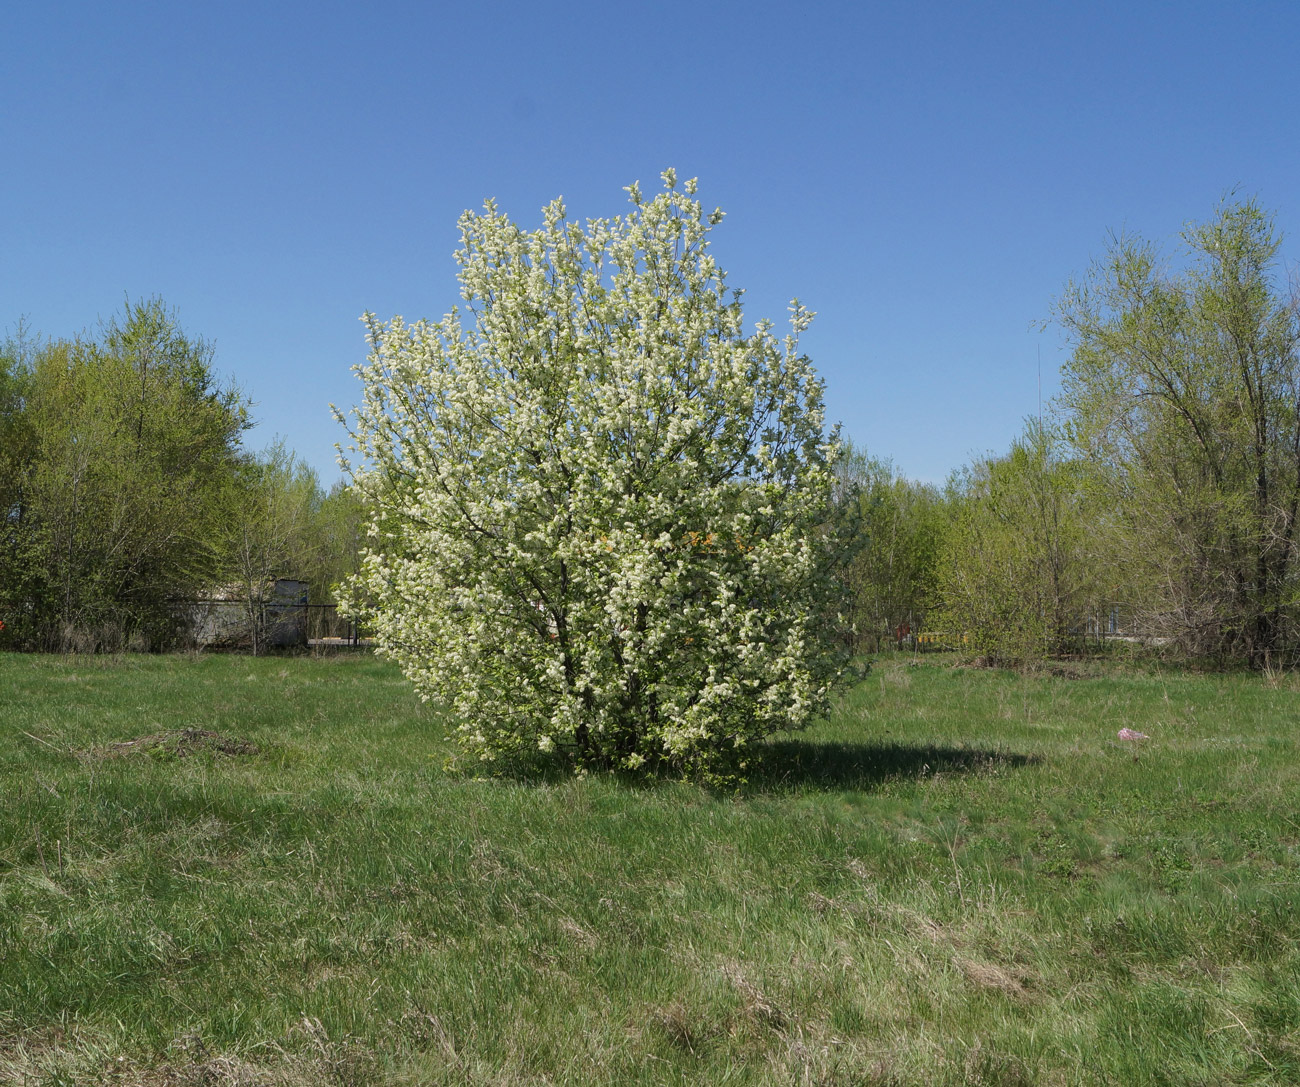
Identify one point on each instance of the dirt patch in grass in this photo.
(1068, 670)
(178, 743)
(1015, 984)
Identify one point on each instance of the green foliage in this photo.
(280, 523)
(273, 502)
(1183, 390)
(17, 444)
(899, 525)
(338, 538)
(124, 490)
(125, 444)
(1016, 577)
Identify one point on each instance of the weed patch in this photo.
(178, 744)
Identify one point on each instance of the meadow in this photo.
(218, 870)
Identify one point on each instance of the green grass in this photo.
(963, 877)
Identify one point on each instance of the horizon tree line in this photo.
(126, 488)
(1165, 481)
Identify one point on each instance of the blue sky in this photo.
(925, 176)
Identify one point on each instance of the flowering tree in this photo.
(597, 504)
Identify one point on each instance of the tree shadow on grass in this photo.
(799, 765)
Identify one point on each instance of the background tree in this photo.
(113, 491)
(595, 507)
(270, 532)
(1016, 579)
(16, 453)
(1183, 389)
(338, 533)
(900, 524)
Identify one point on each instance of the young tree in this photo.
(338, 534)
(128, 441)
(16, 452)
(595, 507)
(269, 530)
(1185, 390)
(900, 525)
(1015, 572)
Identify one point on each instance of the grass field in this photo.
(963, 877)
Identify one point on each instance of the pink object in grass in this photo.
(1129, 734)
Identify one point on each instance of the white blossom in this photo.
(595, 498)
